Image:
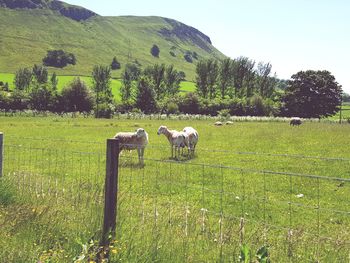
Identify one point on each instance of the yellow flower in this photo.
(114, 251)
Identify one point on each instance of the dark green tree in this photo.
(115, 64)
(172, 81)
(101, 76)
(54, 81)
(59, 59)
(41, 98)
(243, 76)
(126, 88)
(77, 97)
(40, 74)
(212, 67)
(23, 79)
(155, 51)
(156, 74)
(145, 96)
(225, 77)
(202, 79)
(312, 94)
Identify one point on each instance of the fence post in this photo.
(111, 190)
(1, 152)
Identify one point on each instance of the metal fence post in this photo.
(111, 190)
(1, 152)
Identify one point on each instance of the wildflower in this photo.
(114, 251)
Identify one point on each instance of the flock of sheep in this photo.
(187, 138)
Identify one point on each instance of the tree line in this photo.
(235, 87)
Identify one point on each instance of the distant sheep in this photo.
(218, 123)
(191, 139)
(295, 121)
(176, 139)
(229, 123)
(133, 140)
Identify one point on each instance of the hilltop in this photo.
(29, 28)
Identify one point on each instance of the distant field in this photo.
(185, 86)
(345, 113)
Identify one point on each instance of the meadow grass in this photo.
(179, 211)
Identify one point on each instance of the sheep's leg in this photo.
(139, 154)
(142, 155)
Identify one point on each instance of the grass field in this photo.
(50, 203)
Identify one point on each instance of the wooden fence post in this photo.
(1, 152)
(111, 190)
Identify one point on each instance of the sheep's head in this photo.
(140, 132)
(162, 130)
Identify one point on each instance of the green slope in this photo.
(27, 34)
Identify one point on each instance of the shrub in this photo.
(19, 100)
(189, 103)
(188, 58)
(41, 98)
(104, 110)
(155, 51)
(59, 58)
(115, 64)
(145, 96)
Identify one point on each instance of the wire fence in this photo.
(185, 211)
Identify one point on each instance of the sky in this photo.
(292, 35)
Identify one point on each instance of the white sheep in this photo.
(218, 123)
(229, 123)
(176, 139)
(191, 139)
(133, 140)
(295, 121)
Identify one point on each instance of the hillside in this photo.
(26, 34)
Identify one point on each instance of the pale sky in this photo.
(292, 35)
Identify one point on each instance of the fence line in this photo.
(166, 147)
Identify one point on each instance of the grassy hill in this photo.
(27, 34)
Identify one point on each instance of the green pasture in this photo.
(176, 210)
(185, 86)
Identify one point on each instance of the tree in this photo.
(126, 88)
(101, 84)
(77, 97)
(156, 74)
(23, 78)
(212, 67)
(145, 96)
(54, 81)
(41, 98)
(155, 51)
(312, 94)
(172, 80)
(243, 74)
(40, 74)
(225, 76)
(115, 64)
(263, 79)
(202, 79)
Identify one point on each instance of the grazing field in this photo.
(250, 183)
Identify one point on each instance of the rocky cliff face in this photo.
(185, 33)
(73, 12)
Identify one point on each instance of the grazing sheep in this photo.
(218, 123)
(176, 139)
(133, 140)
(229, 123)
(191, 139)
(295, 121)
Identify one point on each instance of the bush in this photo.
(104, 110)
(146, 97)
(19, 100)
(59, 59)
(188, 58)
(4, 101)
(189, 103)
(115, 64)
(125, 106)
(155, 51)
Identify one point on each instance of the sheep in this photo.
(229, 123)
(218, 123)
(176, 139)
(133, 140)
(295, 121)
(191, 139)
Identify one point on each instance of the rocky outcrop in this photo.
(76, 13)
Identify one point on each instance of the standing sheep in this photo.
(295, 121)
(176, 139)
(133, 140)
(191, 139)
